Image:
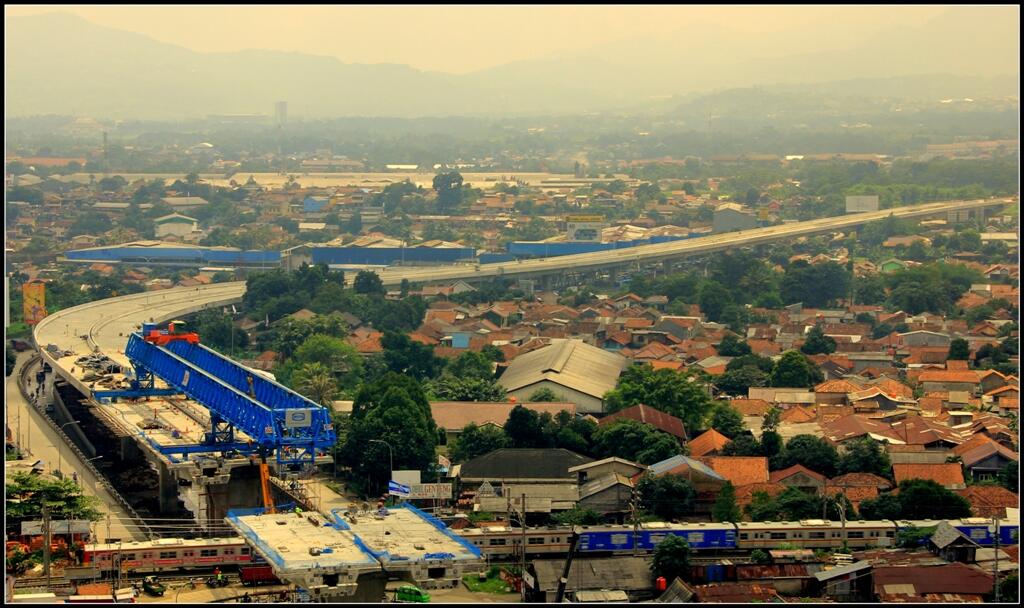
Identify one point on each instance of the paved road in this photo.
(40, 440)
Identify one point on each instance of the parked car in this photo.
(411, 594)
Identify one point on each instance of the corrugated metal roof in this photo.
(570, 363)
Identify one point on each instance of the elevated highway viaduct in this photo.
(645, 254)
(104, 326)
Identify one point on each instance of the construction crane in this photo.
(276, 419)
(574, 542)
(268, 497)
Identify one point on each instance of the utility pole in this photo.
(46, 545)
(522, 572)
(995, 530)
(636, 522)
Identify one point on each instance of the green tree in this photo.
(818, 343)
(920, 499)
(737, 382)
(27, 494)
(912, 537)
(668, 496)
(771, 420)
(1009, 588)
(634, 440)
(1009, 476)
(524, 428)
(959, 350)
(771, 443)
(795, 370)
(471, 365)
(714, 299)
(449, 191)
(681, 394)
(725, 508)
(762, 507)
(577, 516)
(727, 421)
(671, 559)
(315, 381)
(405, 356)
(543, 395)
(732, 346)
(340, 358)
(367, 282)
(814, 284)
(393, 409)
(449, 387)
(476, 441)
(885, 506)
(865, 456)
(742, 445)
(815, 453)
(795, 504)
(10, 361)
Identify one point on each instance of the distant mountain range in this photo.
(59, 63)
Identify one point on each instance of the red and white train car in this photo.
(168, 554)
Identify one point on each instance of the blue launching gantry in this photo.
(276, 418)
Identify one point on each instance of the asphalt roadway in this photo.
(39, 442)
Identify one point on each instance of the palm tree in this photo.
(316, 382)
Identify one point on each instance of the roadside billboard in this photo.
(33, 302)
(584, 228)
(437, 491)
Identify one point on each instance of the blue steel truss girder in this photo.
(258, 388)
(252, 417)
(266, 426)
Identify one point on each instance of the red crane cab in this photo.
(175, 331)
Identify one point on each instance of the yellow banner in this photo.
(34, 302)
(584, 218)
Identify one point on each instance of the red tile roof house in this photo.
(857, 487)
(984, 458)
(665, 423)
(946, 380)
(834, 392)
(740, 470)
(989, 501)
(948, 475)
(708, 443)
(799, 476)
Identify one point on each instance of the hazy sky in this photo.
(453, 38)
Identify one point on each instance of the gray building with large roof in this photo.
(575, 371)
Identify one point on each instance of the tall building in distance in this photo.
(280, 113)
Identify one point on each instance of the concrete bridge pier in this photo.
(167, 490)
(237, 489)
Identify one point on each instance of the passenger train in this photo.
(810, 533)
(168, 554)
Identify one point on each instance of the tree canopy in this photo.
(815, 453)
(917, 499)
(634, 440)
(679, 394)
(795, 370)
(476, 441)
(671, 558)
(667, 496)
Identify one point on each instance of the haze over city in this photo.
(339, 61)
(512, 304)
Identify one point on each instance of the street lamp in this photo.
(61, 427)
(391, 460)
